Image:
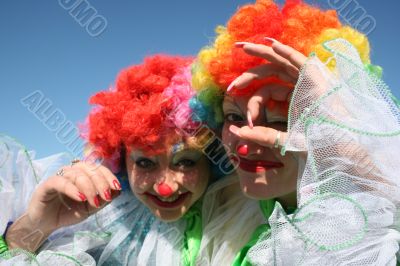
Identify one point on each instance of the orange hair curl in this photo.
(297, 24)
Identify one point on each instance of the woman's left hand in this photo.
(285, 63)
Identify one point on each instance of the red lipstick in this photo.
(258, 166)
(166, 204)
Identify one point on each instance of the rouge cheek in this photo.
(191, 179)
(142, 183)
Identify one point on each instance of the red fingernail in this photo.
(107, 194)
(117, 185)
(249, 120)
(81, 196)
(239, 45)
(270, 40)
(96, 201)
(230, 87)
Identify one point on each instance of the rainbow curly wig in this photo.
(150, 106)
(296, 24)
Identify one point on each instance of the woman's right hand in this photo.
(62, 200)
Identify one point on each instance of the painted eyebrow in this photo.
(231, 101)
(182, 153)
(229, 97)
(139, 155)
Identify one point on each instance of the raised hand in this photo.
(285, 63)
(66, 198)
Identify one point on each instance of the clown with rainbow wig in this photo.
(306, 136)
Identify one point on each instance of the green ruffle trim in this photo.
(192, 235)
(3, 245)
(267, 207)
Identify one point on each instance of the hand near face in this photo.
(285, 64)
(62, 200)
(80, 183)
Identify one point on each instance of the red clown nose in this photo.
(164, 190)
(242, 150)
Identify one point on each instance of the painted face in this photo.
(264, 173)
(168, 183)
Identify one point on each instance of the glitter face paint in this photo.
(169, 183)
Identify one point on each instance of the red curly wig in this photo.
(134, 113)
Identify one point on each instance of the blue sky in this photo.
(44, 48)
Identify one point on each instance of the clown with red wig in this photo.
(137, 199)
(316, 178)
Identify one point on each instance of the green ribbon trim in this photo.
(267, 207)
(241, 259)
(192, 235)
(3, 245)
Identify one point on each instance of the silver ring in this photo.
(277, 139)
(75, 161)
(60, 172)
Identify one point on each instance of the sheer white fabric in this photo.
(349, 192)
(19, 175)
(230, 219)
(122, 233)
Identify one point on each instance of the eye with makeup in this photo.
(145, 163)
(186, 159)
(232, 112)
(233, 118)
(277, 123)
(185, 163)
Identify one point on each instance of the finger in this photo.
(250, 119)
(111, 178)
(84, 183)
(263, 136)
(261, 72)
(60, 184)
(100, 182)
(268, 53)
(257, 101)
(293, 56)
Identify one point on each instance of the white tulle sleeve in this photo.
(123, 233)
(348, 123)
(229, 220)
(20, 174)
